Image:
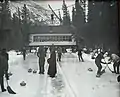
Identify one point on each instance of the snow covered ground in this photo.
(73, 78)
(83, 82)
(36, 85)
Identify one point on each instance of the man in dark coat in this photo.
(24, 53)
(98, 63)
(6, 56)
(52, 70)
(59, 53)
(41, 54)
(3, 70)
(80, 55)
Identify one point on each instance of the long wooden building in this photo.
(52, 35)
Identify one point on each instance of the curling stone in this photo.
(23, 83)
(30, 70)
(10, 74)
(89, 69)
(34, 71)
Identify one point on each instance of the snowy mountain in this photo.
(37, 12)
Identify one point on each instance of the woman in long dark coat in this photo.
(52, 70)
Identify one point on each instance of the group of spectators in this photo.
(113, 58)
(99, 55)
(52, 70)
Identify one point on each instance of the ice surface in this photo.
(85, 83)
(36, 85)
(73, 78)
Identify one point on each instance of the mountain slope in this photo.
(36, 11)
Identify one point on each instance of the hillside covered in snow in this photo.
(37, 12)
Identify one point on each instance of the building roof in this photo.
(51, 29)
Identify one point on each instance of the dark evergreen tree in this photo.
(79, 16)
(5, 15)
(95, 20)
(5, 24)
(73, 16)
(110, 25)
(25, 24)
(103, 23)
(17, 35)
(66, 15)
(79, 22)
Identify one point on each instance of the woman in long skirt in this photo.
(52, 70)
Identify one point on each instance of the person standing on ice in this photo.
(118, 78)
(80, 55)
(46, 50)
(6, 56)
(98, 63)
(24, 53)
(59, 53)
(41, 54)
(116, 63)
(52, 69)
(3, 70)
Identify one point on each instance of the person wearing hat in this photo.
(116, 63)
(98, 63)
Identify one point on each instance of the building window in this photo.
(55, 38)
(70, 39)
(63, 38)
(35, 38)
(51, 38)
